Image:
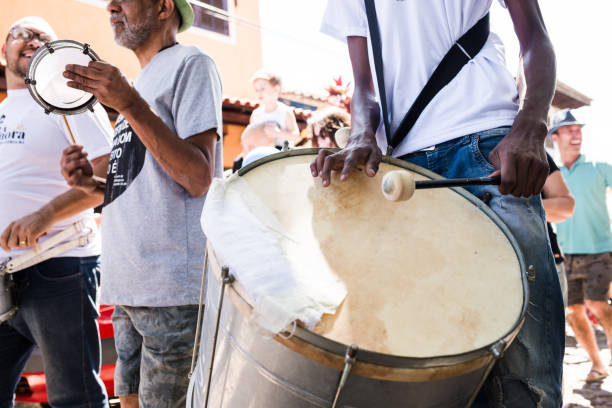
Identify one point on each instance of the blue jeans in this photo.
(529, 373)
(57, 312)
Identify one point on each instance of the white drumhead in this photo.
(430, 276)
(50, 81)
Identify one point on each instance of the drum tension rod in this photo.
(497, 350)
(349, 361)
(50, 48)
(227, 279)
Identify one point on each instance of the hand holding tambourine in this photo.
(103, 80)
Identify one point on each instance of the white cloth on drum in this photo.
(246, 235)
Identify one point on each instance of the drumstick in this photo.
(399, 185)
(96, 178)
(69, 130)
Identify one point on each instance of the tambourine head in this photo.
(46, 82)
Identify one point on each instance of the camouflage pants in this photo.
(154, 347)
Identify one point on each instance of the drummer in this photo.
(167, 149)
(473, 127)
(57, 298)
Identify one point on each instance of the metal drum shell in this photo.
(38, 56)
(302, 370)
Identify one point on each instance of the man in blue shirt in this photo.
(586, 239)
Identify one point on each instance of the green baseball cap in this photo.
(186, 12)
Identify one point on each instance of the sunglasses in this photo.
(27, 35)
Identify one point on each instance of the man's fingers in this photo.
(495, 173)
(77, 85)
(508, 176)
(16, 237)
(533, 177)
(317, 165)
(75, 164)
(332, 162)
(71, 149)
(92, 73)
(5, 237)
(524, 178)
(543, 173)
(372, 164)
(75, 177)
(350, 162)
(98, 67)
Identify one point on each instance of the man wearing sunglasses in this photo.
(56, 298)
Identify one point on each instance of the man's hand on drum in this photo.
(24, 232)
(105, 81)
(361, 151)
(521, 159)
(77, 170)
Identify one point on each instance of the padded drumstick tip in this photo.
(398, 185)
(342, 136)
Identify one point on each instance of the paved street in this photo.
(578, 394)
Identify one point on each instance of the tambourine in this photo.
(45, 80)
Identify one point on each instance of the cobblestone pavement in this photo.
(577, 393)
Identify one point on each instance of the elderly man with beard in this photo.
(166, 151)
(56, 298)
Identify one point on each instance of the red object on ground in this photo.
(33, 388)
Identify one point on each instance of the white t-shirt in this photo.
(415, 36)
(277, 116)
(31, 145)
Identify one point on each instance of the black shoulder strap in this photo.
(466, 48)
(378, 64)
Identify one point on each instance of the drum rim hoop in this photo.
(33, 64)
(390, 360)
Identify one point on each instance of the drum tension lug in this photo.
(29, 81)
(349, 361)
(531, 273)
(50, 48)
(227, 277)
(90, 108)
(86, 49)
(498, 349)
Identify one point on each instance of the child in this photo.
(277, 119)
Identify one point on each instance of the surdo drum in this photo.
(436, 293)
(45, 80)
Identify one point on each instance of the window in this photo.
(209, 19)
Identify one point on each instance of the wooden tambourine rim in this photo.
(33, 64)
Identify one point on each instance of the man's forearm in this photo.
(539, 79)
(365, 116)
(70, 203)
(182, 160)
(558, 208)
(537, 70)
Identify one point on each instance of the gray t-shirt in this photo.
(152, 242)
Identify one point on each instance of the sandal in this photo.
(595, 375)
